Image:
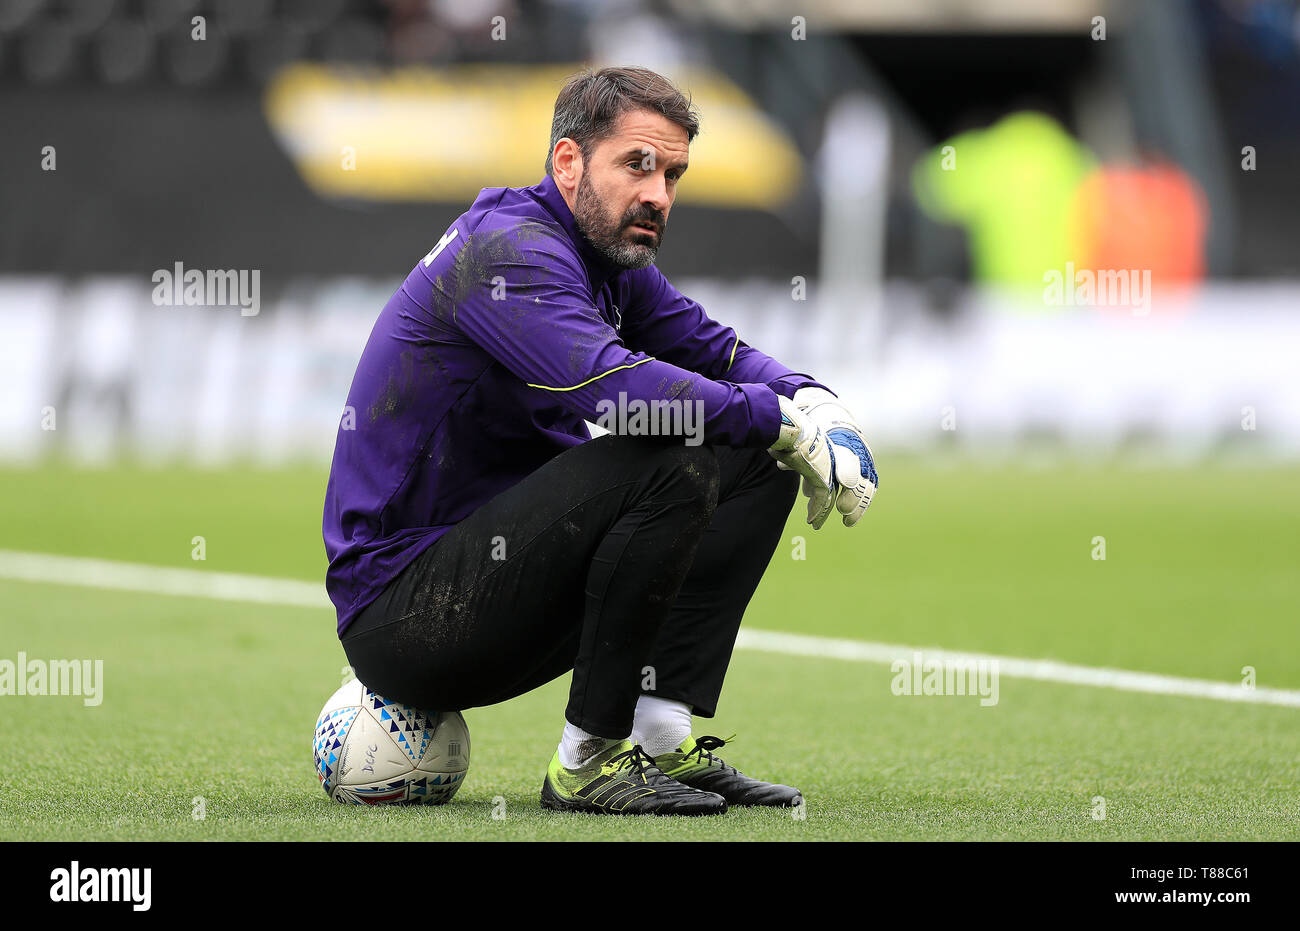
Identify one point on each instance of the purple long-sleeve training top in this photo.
(484, 365)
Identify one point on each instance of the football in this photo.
(372, 751)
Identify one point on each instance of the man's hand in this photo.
(855, 470)
(804, 448)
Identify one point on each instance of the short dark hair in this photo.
(591, 102)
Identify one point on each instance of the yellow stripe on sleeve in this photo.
(590, 380)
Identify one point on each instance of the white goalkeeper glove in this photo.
(855, 470)
(803, 447)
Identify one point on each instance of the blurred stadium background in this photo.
(327, 144)
(910, 199)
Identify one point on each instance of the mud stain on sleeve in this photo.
(484, 256)
(683, 388)
(398, 392)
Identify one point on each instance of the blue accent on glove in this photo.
(850, 438)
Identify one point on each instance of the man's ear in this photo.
(566, 166)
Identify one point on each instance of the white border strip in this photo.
(50, 569)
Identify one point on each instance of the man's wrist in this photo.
(765, 406)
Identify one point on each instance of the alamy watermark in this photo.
(179, 286)
(945, 675)
(656, 417)
(1102, 287)
(53, 677)
(77, 883)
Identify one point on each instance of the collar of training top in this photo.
(599, 270)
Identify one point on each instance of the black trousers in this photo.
(626, 559)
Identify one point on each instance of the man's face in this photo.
(628, 184)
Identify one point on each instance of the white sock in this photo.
(661, 724)
(577, 746)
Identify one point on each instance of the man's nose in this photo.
(655, 193)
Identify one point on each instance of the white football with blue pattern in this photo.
(372, 751)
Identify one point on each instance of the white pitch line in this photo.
(156, 580)
(228, 586)
(1044, 670)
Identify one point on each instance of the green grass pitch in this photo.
(217, 700)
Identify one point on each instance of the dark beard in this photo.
(606, 235)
